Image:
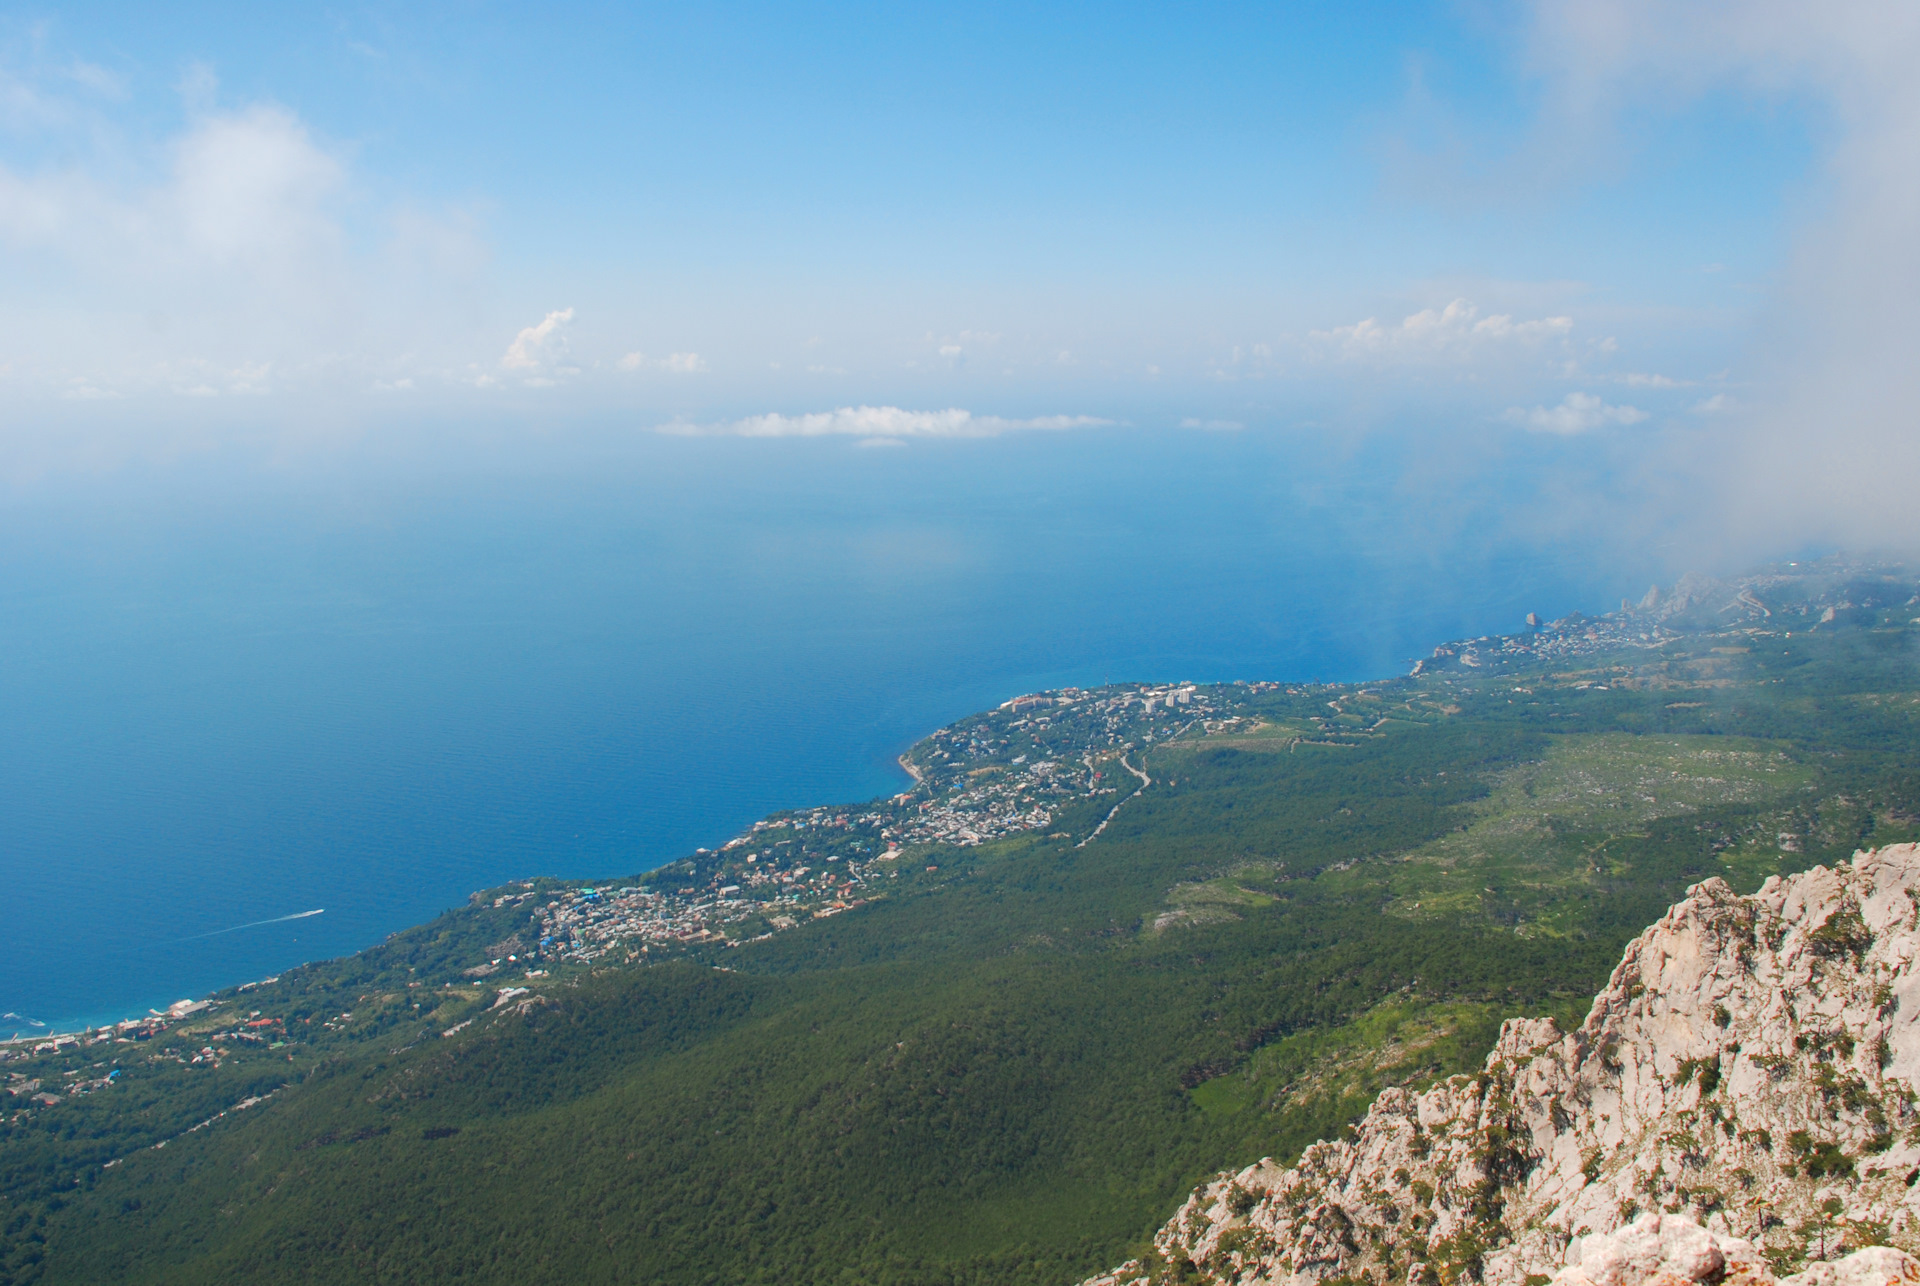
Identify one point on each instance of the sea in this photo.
(365, 678)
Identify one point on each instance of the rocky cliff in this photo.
(1749, 1073)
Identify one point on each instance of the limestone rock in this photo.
(1659, 1249)
(1874, 1266)
(1750, 1067)
(1671, 1250)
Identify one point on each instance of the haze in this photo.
(1663, 249)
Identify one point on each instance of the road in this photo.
(1145, 781)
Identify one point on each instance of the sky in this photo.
(1665, 248)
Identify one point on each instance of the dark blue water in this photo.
(377, 679)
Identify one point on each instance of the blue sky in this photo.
(1613, 220)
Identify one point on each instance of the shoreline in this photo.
(1647, 620)
(56, 1030)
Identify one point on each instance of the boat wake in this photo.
(254, 924)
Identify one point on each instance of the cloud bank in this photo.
(236, 257)
(1824, 445)
(878, 423)
(227, 254)
(1577, 413)
(673, 363)
(1451, 340)
(1455, 333)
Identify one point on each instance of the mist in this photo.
(1814, 441)
(209, 277)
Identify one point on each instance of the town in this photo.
(1056, 765)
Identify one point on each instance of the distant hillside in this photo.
(994, 1029)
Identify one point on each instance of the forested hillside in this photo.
(1007, 1061)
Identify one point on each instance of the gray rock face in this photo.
(1750, 1068)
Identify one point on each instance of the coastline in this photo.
(1646, 624)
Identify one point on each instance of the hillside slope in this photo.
(956, 1036)
(1751, 1064)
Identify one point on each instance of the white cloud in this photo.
(676, 363)
(219, 261)
(247, 189)
(1715, 405)
(1454, 333)
(881, 422)
(1577, 413)
(251, 187)
(1827, 450)
(1212, 426)
(537, 347)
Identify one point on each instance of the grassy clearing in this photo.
(1527, 852)
(1213, 901)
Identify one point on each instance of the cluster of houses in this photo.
(1818, 595)
(590, 922)
(1563, 640)
(986, 778)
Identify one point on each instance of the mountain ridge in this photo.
(1750, 1063)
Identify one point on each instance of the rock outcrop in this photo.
(1670, 1250)
(1748, 1073)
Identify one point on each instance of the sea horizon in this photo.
(375, 694)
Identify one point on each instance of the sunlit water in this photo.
(232, 696)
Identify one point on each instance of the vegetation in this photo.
(1008, 1069)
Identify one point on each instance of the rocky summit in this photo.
(1739, 1104)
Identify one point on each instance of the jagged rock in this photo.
(1669, 1250)
(1874, 1266)
(1750, 1066)
(1657, 1249)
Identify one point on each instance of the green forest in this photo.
(1014, 1065)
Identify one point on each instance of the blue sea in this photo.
(369, 678)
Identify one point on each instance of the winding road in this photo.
(1145, 781)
